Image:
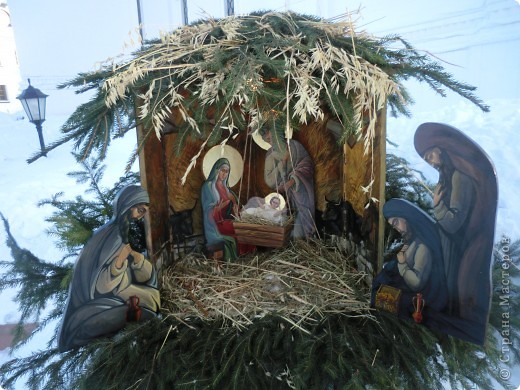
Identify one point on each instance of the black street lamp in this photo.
(33, 102)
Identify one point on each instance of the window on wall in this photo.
(3, 93)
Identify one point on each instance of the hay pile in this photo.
(302, 283)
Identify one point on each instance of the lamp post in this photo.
(33, 102)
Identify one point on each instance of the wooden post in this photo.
(358, 171)
(381, 119)
(154, 179)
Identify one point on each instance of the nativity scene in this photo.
(261, 146)
(288, 170)
(247, 174)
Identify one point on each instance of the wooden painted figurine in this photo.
(464, 206)
(417, 267)
(289, 169)
(464, 211)
(109, 273)
(220, 203)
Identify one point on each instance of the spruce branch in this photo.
(41, 284)
(406, 182)
(38, 283)
(230, 65)
(73, 221)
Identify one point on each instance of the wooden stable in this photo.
(341, 172)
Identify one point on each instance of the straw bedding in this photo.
(302, 282)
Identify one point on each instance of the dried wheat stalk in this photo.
(320, 69)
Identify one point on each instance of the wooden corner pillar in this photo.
(381, 119)
(152, 167)
(359, 171)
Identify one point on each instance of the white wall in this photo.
(9, 68)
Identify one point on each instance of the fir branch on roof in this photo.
(244, 67)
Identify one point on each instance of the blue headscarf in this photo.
(424, 229)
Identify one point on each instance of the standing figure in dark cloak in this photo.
(465, 203)
(289, 168)
(107, 275)
(418, 267)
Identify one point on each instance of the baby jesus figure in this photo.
(271, 208)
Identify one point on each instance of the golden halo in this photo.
(260, 141)
(235, 161)
(275, 195)
(266, 145)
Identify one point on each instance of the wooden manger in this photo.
(268, 235)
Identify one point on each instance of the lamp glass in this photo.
(34, 108)
(33, 102)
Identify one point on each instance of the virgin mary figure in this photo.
(219, 205)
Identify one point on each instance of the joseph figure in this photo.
(289, 168)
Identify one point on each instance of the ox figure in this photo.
(340, 219)
(181, 225)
